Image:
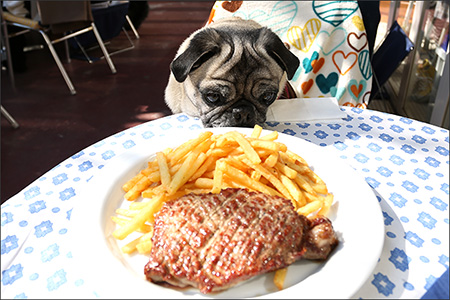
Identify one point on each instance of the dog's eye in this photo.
(268, 97)
(213, 97)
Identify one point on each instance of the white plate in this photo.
(356, 217)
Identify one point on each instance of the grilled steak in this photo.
(214, 241)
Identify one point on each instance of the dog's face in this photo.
(229, 74)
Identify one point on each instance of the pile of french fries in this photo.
(210, 163)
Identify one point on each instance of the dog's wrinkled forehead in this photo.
(246, 49)
(255, 47)
(236, 36)
(229, 46)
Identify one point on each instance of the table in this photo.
(405, 162)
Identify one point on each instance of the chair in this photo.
(66, 19)
(121, 8)
(110, 18)
(6, 50)
(8, 117)
(5, 45)
(389, 55)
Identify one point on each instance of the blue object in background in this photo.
(393, 50)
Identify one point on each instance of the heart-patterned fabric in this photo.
(328, 37)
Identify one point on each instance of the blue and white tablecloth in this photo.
(406, 163)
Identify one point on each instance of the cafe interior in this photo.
(48, 116)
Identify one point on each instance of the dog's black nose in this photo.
(241, 114)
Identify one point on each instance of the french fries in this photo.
(210, 163)
(279, 277)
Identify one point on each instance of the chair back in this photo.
(109, 20)
(64, 16)
(392, 51)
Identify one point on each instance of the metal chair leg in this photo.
(132, 27)
(102, 46)
(58, 62)
(66, 49)
(8, 56)
(9, 117)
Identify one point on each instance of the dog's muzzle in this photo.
(241, 114)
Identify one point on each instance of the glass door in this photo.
(415, 85)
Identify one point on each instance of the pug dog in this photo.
(228, 73)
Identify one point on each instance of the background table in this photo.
(406, 163)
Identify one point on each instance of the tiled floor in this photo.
(55, 125)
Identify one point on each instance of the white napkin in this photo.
(324, 110)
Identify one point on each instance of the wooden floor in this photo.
(55, 125)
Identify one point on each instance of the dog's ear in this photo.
(276, 48)
(202, 47)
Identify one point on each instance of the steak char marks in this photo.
(214, 241)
